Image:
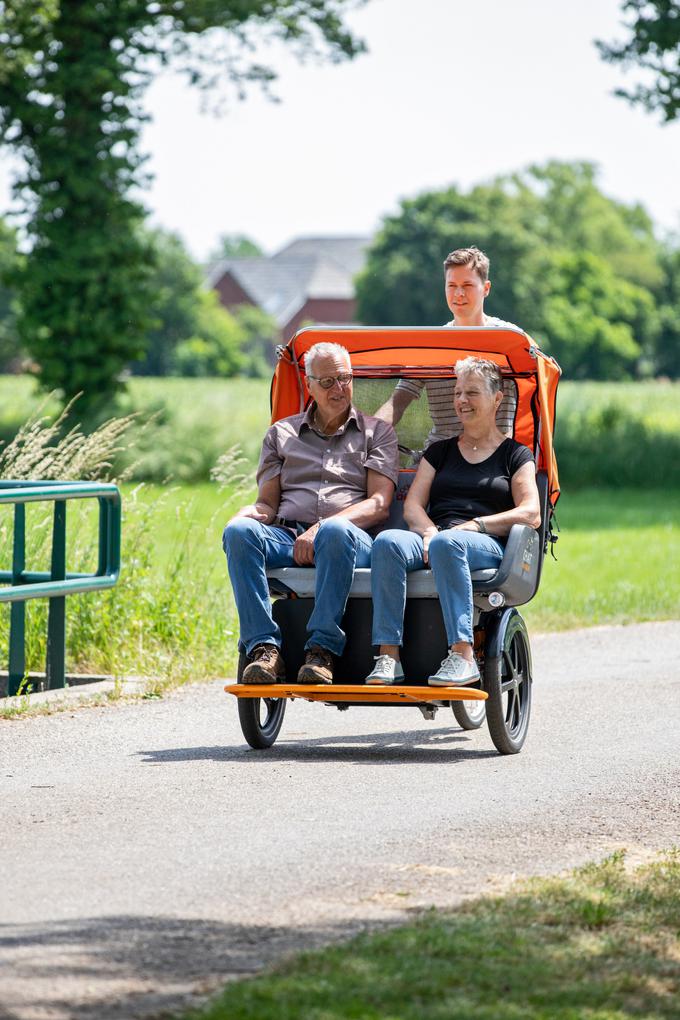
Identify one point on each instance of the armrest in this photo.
(519, 571)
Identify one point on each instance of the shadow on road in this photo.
(125, 967)
(410, 747)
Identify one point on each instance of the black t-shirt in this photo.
(461, 491)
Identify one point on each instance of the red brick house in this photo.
(310, 280)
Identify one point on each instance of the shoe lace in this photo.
(261, 652)
(318, 657)
(384, 663)
(452, 661)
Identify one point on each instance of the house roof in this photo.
(348, 252)
(306, 268)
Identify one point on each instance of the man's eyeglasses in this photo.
(328, 381)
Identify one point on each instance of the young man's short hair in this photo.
(472, 257)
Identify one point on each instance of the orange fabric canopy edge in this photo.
(404, 350)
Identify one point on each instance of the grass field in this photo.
(600, 944)
(623, 435)
(172, 616)
(618, 554)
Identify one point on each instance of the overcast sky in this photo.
(451, 91)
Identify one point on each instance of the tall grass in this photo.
(169, 618)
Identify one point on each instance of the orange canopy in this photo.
(432, 352)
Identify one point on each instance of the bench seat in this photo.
(516, 578)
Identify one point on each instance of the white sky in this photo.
(451, 91)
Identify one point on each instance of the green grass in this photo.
(618, 561)
(609, 434)
(618, 554)
(600, 944)
(172, 616)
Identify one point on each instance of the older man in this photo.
(324, 478)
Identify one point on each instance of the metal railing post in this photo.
(17, 618)
(55, 667)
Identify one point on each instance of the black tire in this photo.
(507, 681)
(469, 714)
(261, 718)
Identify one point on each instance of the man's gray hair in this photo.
(325, 350)
(487, 370)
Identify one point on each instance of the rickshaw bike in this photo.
(380, 357)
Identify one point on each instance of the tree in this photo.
(214, 349)
(596, 324)
(72, 78)
(235, 246)
(10, 347)
(174, 284)
(261, 335)
(653, 46)
(402, 282)
(666, 357)
(541, 228)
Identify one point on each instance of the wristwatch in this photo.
(480, 524)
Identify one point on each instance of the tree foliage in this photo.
(72, 78)
(214, 348)
(579, 271)
(654, 47)
(10, 347)
(174, 286)
(235, 246)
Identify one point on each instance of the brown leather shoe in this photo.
(318, 667)
(266, 666)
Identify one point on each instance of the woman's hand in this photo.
(466, 526)
(428, 535)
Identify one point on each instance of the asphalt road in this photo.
(147, 855)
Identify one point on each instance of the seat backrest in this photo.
(396, 517)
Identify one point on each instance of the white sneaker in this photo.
(386, 671)
(455, 671)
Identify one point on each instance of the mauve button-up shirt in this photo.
(321, 475)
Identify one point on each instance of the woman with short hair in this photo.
(466, 495)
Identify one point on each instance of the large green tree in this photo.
(653, 46)
(175, 283)
(667, 353)
(573, 267)
(72, 79)
(10, 347)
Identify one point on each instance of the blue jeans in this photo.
(453, 554)
(252, 548)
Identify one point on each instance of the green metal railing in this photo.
(58, 582)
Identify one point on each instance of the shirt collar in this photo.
(308, 419)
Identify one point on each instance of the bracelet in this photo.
(481, 525)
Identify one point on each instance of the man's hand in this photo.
(257, 511)
(428, 535)
(303, 550)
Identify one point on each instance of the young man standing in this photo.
(467, 284)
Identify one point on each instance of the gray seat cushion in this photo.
(301, 581)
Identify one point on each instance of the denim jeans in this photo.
(252, 548)
(453, 554)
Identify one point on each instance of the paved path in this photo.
(147, 854)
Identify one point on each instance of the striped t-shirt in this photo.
(445, 422)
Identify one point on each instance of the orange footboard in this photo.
(357, 694)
